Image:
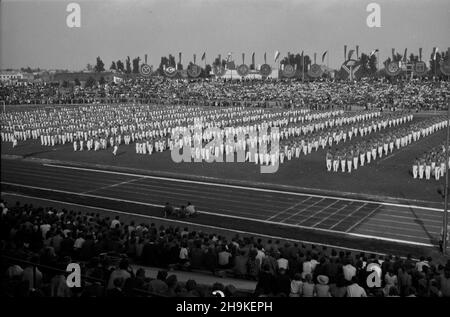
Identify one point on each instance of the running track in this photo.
(314, 218)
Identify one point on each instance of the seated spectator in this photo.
(191, 288)
(172, 283)
(190, 210)
(159, 285)
(322, 288)
(308, 287)
(296, 286)
(339, 289)
(116, 290)
(355, 290)
(123, 273)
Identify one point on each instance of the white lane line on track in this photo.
(314, 215)
(184, 189)
(219, 215)
(363, 219)
(289, 208)
(113, 185)
(244, 187)
(347, 216)
(329, 216)
(194, 224)
(300, 211)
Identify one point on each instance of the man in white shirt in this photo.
(283, 263)
(354, 290)
(349, 271)
(115, 222)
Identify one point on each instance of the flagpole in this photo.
(303, 68)
(445, 220)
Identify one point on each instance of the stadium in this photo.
(275, 176)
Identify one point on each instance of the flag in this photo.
(253, 59)
(195, 58)
(420, 54)
(243, 58)
(435, 50)
(345, 51)
(404, 55)
(350, 53)
(373, 52)
(203, 56)
(323, 56)
(277, 54)
(357, 51)
(265, 57)
(393, 53)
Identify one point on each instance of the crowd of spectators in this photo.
(37, 244)
(422, 95)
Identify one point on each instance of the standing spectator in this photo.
(184, 255)
(282, 283)
(240, 264)
(224, 258)
(349, 270)
(266, 282)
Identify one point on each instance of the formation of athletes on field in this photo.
(366, 151)
(431, 164)
(260, 135)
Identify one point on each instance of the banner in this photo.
(243, 70)
(194, 70)
(265, 70)
(420, 68)
(393, 69)
(204, 56)
(145, 70)
(219, 70)
(288, 71)
(170, 71)
(315, 71)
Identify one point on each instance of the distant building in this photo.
(11, 76)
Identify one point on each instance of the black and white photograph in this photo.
(224, 154)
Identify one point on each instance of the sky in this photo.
(34, 32)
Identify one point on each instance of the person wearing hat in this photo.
(322, 288)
